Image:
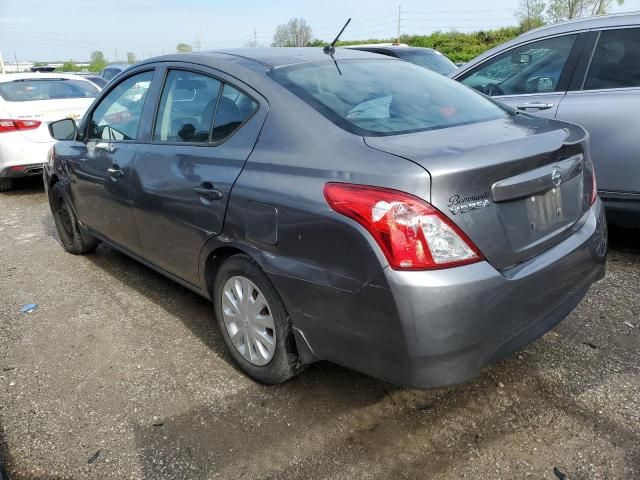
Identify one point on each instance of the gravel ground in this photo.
(120, 373)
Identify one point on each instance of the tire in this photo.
(74, 239)
(6, 184)
(283, 363)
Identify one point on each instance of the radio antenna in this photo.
(331, 49)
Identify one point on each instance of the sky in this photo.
(50, 30)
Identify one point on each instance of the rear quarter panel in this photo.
(327, 269)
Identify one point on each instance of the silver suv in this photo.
(585, 71)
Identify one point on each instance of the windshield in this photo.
(385, 97)
(50, 89)
(432, 60)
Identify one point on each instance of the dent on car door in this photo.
(532, 77)
(204, 130)
(101, 172)
(605, 99)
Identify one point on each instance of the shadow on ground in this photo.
(624, 239)
(25, 186)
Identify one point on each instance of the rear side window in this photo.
(234, 109)
(196, 108)
(385, 97)
(532, 68)
(109, 73)
(46, 89)
(616, 60)
(433, 60)
(117, 116)
(187, 107)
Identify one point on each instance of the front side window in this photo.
(616, 60)
(32, 90)
(187, 107)
(532, 68)
(385, 97)
(117, 116)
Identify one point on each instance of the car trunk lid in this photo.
(45, 111)
(514, 186)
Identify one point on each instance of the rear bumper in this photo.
(458, 321)
(21, 170)
(18, 152)
(438, 328)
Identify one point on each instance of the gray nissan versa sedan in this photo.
(354, 208)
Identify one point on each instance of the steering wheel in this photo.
(493, 89)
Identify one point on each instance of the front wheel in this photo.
(254, 323)
(74, 239)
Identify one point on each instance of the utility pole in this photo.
(116, 52)
(399, 12)
(2, 70)
(199, 41)
(16, 60)
(255, 38)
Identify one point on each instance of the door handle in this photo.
(208, 191)
(115, 171)
(535, 105)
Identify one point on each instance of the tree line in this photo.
(461, 47)
(97, 62)
(535, 13)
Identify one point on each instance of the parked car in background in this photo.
(353, 208)
(28, 102)
(97, 81)
(424, 57)
(111, 71)
(585, 71)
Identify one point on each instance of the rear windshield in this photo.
(46, 89)
(429, 59)
(385, 97)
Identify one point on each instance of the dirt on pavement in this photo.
(120, 373)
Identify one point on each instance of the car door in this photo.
(101, 170)
(531, 77)
(605, 99)
(204, 129)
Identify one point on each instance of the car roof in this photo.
(9, 77)
(389, 47)
(116, 65)
(377, 45)
(587, 23)
(271, 57)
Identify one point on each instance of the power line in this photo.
(423, 12)
(391, 22)
(457, 20)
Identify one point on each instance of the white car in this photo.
(28, 103)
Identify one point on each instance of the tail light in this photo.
(15, 125)
(412, 233)
(594, 187)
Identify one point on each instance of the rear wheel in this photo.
(254, 323)
(74, 239)
(6, 184)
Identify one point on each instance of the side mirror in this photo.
(65, 129)
(545, 84)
